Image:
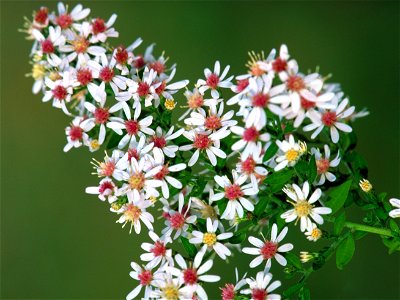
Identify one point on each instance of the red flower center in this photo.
(157, 66)
(107, 168)
(84, 76)
(228, 292)
(258, 294)
(101, 115)
(251, 134)
(248, 165)
(242, 84)
(322, 165)
(306, 104)
(269, 249)
(177, 220)
(64, 21)
(233, 192)
(143, 89)
(212, 81)
(145, 277)
(260, 100)
(190, 276)
(47, 47)
(133, 153)
(75, 133)
(212, 122)
(121, 55)
(159, 249)
(329, 118)
(59, 92)
(295, 83)
(139, 63)
(132, 127)
(159, 141)
(41, 15)
(279, 65)
(162, 173)
(105, 186)
(201, 141)
(195, 101)
(98, 26)
(106, 74)
(161, 88)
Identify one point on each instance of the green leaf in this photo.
(359, 235)
(260, 206)
(292, 290)
(294, 260)
(302, 169)
(344, 252)
(305, 294)
(392, 244)
(190, 249)
(339, 223)
(393, 225)
(277, 180)
(237, 238)
(312, 170)
(338, 196)
(271, 151)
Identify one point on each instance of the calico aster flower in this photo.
(76, 135)
(160, 140)
(230, 291)
(395, 213)
(210, 239)
(170, 288)
(102, 30)
(332, 119)
(195, 100)
(135, 211)
(292, 152)
(157, 253)
(110, 166)
(205, 141)
(214, 80)
(106, 190)
(260, 287)
(251, 166)
(303, 209)
(250, 140)
(124, 56)
(65, 20)
(166, 89)
(268, 249)
(313, 233)
(49, 45)
(235, 192)
(137, 149)
(280, 64)
(324, 163)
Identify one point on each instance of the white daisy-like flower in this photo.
(177, 220)
(303, 209)
(110, 166)
(332, 119)
(395, 213)
(65, 20)
(102, 30)
(160, 140)
(124, 56)
(280, 64)
(157, 252)
(235, 191)
(250, 140)
(214, 80)
(210, 239)
(251, 166)
(106, 190)
(313, 233)
(166, 88)
(170, 287)
(260, 287)
(205, 141)
(193, 275)
(195, 100)
(135, 211)
(230, 291)
(49, 45)
(324, 163)
(268, 249)
(146, 277)
(291, 153)
(76, 135)
(214, 120)
(137, 149)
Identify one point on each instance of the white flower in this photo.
(292, 152)
(101, 31)
(76, 136)
(313, 233)
(111, 166)
(135, 211)
(252, 166)
(259, 288)
(195, 100)
(124, 56)
(204, 141)
(65, 19)
(167, 89)
(214, 80)
(160, 140)
(268, 249)
(280, 64)
(251, 139)
(395, 213)
(214, 120)
(157, 252)
(304, 209)
(106, 189)
(210, 239)
(170, 288)
(49, 44)
(235, 191)
(332, 119)
(229, 291)
(194, 274)
(324, 163)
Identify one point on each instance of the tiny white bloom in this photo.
(395, 213)
(291, 153)
(214, 80)
(261, 287)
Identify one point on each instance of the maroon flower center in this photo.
(242, 84)
(306, 104)
(322, 165)
(75, 133)
(84, 76)
(159, 141)
(159, 249)
(233, 192)
(250, 134)
(98, 26)
(101, 115)
(41, 15)
(105, 186)
(248, 165)
(212, 81)
(157, 66)
(190, 276)
(121, 55)
(260, 100)
(139, 63)
(258, 294)
(195, 101)
(269, 249)
(132, 127)
(295, 83)
(161, 88)
(143, 89)
(107, 168)
(279, 65)
(212, 122)
(201, 141)
(145, 277)
(59, 92)
(106, 74)
(329, 118)
(162, 173)
(228, 292)
(177, 220)
(133, 153)
(64, 21)
(80, 44)
(47, 47)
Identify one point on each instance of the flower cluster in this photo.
(236, 160)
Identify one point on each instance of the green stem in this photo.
(371, 229)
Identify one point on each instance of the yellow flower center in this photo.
(94, 144)
(54, 76)
(292, 155)
(365, 185)
(153, 199)
(316, 233)
(171, 292)
(209, 238)
(302, 208)
(38, 71)
(136, 181)
(169, 104)
(132, 213)
(115, 206)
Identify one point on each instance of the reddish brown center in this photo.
(80, 44)
(106, 186)
(106, 74)
(101, 115)
(295, 83)
(258, 294)
(260, 100)
(143, 89)
(121, 55)
(159, 141)
(47, 46)
(242, 84)
(233, 192)
(133, 153)
(161, 88)
(139, 62)
(329, 118)
(162, 173)
(159, 249)
(107, 168)
(59, 92)
(306, 104)
(177, 220)
(41, 15)
(201, 141)
(145, 277)
(248, 165)
(269, 249)
(195, 101)
(322, 165)
(98, 26)
(75, 133)
(251, 134)
(84, 76)
(190, 276)
(132, 127)
(157, 66)
(279, 65)
(212, 81)
(212, 122)
(64, 21)
(228, 292)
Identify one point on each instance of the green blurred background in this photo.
(58, 242)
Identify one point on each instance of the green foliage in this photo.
(190, 249)
(345, 252)
(277, 180)
(339, 223)
(338, 196)
(271, 151)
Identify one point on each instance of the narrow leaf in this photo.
(344, 252)
(338, 196)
